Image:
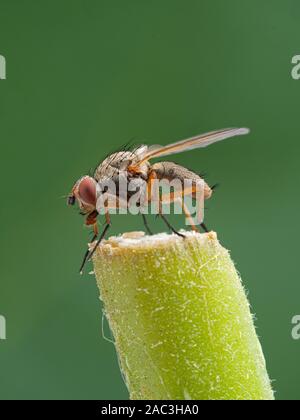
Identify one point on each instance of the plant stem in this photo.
(180, 319)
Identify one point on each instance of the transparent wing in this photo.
(192, 143)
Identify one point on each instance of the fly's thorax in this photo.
(116, 190)
(119, 163)
(112, 165)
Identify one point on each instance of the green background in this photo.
(84, 77)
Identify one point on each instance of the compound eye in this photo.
(87, 191)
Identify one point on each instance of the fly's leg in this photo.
(204, 227)
(146, 225)
(108, 225)
(85, 258)
(178, 196)
(91, 253)
(167, 222)
(170, 226)
(153, 176)
(86, 255)
(189, 216)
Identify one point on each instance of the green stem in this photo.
(180, 319)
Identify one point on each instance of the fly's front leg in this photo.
(90, 221)
(108, 225)
(112, 204)
(96, 230)
(86, 255)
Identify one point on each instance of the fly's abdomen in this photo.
(173, 172)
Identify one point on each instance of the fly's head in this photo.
(84, 193)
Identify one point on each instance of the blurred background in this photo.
(83, 78)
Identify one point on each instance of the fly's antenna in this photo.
(214, 187)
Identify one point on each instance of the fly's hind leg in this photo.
(204, 227)
(196, 187)
(167, 222)
(189, 216)
(152, 177)
(170, 226)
